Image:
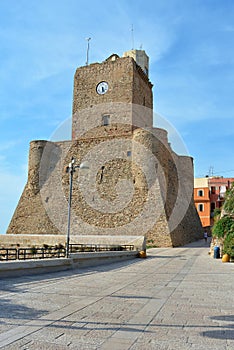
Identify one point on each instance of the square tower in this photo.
(113, 93)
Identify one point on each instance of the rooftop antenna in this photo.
(132, 30)
(87, 55)
(211, 171)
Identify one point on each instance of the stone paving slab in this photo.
(178, 298)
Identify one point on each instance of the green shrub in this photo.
(33, 250)
(222, 227)
(229, 205)
(217, 211)
(229, 201)
(228, 244)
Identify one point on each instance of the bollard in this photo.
(216, 252)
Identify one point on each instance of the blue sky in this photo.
(191, 49)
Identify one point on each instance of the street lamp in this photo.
(71, 169)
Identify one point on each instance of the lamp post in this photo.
(71, 169)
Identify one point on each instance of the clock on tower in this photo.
(111, 88)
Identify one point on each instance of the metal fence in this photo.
(7, 254)
(75, 248)
(31, 253)
(41, 253)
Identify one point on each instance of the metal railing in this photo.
(41, 253)
(75, 248)
(7, 254)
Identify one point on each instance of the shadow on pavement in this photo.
(9, 311)
(228, 318)
(10, 284)
(220, 334)
(225, 331)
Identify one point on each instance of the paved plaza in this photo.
(177, 298)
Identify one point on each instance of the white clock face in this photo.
(102, 88)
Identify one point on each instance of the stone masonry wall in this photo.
(121, 197)
(129, 88)
(135, 186)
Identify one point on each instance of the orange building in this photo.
(218, 187)
(209, 194)
(202, 200)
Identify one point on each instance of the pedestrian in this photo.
(205, 236)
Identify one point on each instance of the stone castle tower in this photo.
(136, 184)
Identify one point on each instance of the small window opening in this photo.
(212, 206)
(200, 207)
(213, 189)
(105, 120)
(200, 193)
